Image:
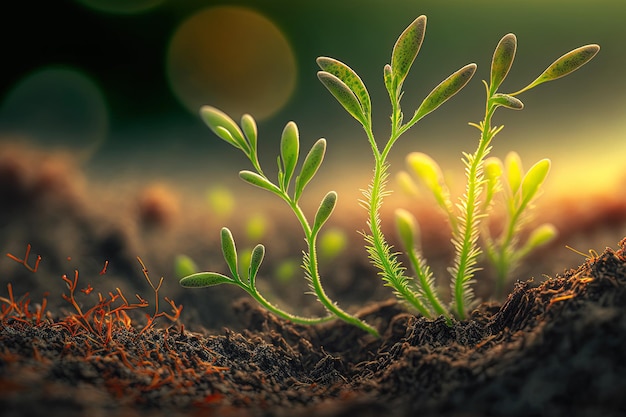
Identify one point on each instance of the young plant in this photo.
(348, 88)
(518, 191)
(465, 216)
(483, 181)
(245, 139)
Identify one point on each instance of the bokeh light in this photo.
(56, 107)
(232, 58)
(121, 6)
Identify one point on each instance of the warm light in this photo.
(232, 58)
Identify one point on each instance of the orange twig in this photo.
(24, 261)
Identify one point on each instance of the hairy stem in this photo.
(380, 250)
(466, 245)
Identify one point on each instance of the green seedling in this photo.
(518, 189)
(484, 180)
(290, 191)
(347, 87)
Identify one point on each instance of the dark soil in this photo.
(554, 349)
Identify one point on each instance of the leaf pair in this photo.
(225, 128)
(523, 187)
(229, 251)
(504, 56)
(245, 139)
(350, 91)
(347, 87)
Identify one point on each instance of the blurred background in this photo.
(120, 82)
(115, 87)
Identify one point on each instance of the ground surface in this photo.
(555, 349)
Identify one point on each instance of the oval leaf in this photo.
(351, 79)
(289, 151)
(502, 60)
(343, 94)
(215, 118)
(507, 101)
(493, 169)
(258, 253)
(542, 235)
(324, 211)
(534, 178)
(514, 171)
(310, 166)
(230, 252)
(425, 168)
(205, 279)
(388, 77)
(565, 65)
(446, 89)
(406, 49)
(406, 226)
(248, 124)
(258, 181)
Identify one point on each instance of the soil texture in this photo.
(555, 349)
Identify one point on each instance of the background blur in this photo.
(120, 81)
(117, 84)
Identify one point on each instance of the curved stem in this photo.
(281, 313)
(315, 277)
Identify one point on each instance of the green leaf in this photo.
(205, 279)
(446, 89)
(425, 168)
(542, 235)
(407, 229)
(258, 181)
(289, 151)
(216, 119)
(249, 128)
(388, 77)
(565, 65)
(406, 49)
(502, 60)
(507, 101)
(514, 171)
(184, 265)
(258, 253)
(311, 164)
(493, 169)
(534, 178)
(230, 252)
(344, 95)
(351, 79)
(324, 211)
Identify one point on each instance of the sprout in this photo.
(486, 178)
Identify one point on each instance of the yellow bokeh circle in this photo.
(232, 58)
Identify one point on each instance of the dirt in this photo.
(554, 347)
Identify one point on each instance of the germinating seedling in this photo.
(483, 182)
(348, 88)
